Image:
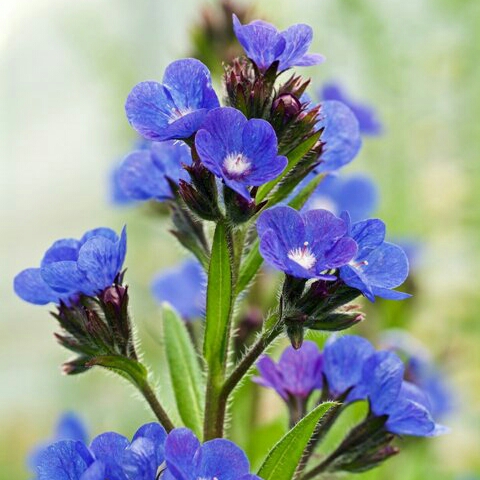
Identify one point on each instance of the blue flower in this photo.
(241, 152)
(176, 108)
(264, 44)
(341, 136)
(405, 406)
(297, 374)
(343, 361)
(366, 115)
(304, 245)
(220, 459)
(143, 173)
(72, 267)
(69, 427)
(110, 455)
(183, 287)
(356, 194)
(378, 266)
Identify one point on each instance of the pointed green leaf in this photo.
(294, 158)
(301, 198)
(219, 299)
(250, 266)
(184, 369)
(283, 459)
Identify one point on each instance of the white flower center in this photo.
(236, 165)
(303, 256)
(177, 113)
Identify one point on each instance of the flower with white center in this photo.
(236, 165)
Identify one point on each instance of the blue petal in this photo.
(310, 59)
(149, 110)
(190, 84)
(64, 276)
(341, 136)
(100, 232)
(287, 224)
(355, 278)
(410, 418)
(261, 41)
(240, 187)
(141, 179)
(139, 461)
(31, 287)
(221, 459)
(180, 450)
(96, 471)
(369, 234)
(270, 376)
(389, 294)
(98, 262)
(186, 125)
(387, 266)
(297, 40)
(109, 446)
(156, 434)
(382, 377)
(170, 158)
(274, 252)
(65, 460)
(343, 362)
(65, 249)
(260, 147)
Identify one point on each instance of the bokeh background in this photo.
(65, 71)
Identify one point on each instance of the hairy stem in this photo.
(156, 407)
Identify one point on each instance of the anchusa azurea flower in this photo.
(183, 287)
(176, 108)
(366, 115)
(73, 267)
(264, 44)
(241, 152)
(151, 453)
(355, 194)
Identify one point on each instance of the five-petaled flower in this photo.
(73, 267)
(378, 266)
(241, 152)
(183, 287)
(297, 374)
(304, 245)
(176, 108)
(264, 44)
(143, 173)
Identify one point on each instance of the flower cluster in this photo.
(178, 455)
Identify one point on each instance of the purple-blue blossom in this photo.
(187, 459)
(175, 108)
(143, 173)
(378, 266)
(366, 115)
(110, 455)
(243, 153)
(73, 267)
(264, 44)
(297, 374)
(355, 194)
(183, 287)
(304, 245)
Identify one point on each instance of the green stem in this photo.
(155, 405)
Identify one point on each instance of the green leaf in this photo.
(283, 459)
(219, 300)
(293, 158)
(301, 198)
(250, 266)
(184, 369)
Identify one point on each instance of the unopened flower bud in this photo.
(288, 105)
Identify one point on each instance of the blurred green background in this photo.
(65, 71)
